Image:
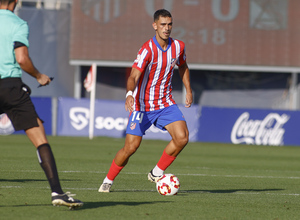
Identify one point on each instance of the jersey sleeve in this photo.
(142, 59)
(21, 34)
(182, 56)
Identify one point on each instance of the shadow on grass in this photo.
(88, 205)
(94, 205)
(229, 190)
(22, 180)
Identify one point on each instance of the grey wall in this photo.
(49, 50)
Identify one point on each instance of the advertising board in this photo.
(110, 119)
(249, 126)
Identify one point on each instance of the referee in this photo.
(14, 95)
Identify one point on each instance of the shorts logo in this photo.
(132, 125)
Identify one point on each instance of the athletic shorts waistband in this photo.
(10, 81)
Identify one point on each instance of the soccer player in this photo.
(14, 97)
(149, 99)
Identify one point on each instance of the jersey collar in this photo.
(157, 44)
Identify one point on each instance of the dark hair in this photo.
(162, 13)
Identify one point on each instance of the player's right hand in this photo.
(188, 100)
(129, 103)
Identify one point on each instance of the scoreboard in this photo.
(216, 32)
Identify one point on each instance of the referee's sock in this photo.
(47, 162)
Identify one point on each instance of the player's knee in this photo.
(182, 139)
(130, 149)
(185, 140)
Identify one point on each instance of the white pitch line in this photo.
(196, 174)
(179, 174)
(10, 187)
(239, 176)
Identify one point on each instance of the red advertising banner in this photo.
(224, 32)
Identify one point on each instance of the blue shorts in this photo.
(139, 122)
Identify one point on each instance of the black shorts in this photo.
(16, 103)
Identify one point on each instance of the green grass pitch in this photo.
(218, 181)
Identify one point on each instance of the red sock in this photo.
(165, 161)
(114, 170)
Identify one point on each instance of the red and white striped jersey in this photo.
(153, 91)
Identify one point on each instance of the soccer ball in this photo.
(168, 185)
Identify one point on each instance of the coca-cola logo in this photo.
(268, 131)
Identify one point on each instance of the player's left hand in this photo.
(188, 100)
